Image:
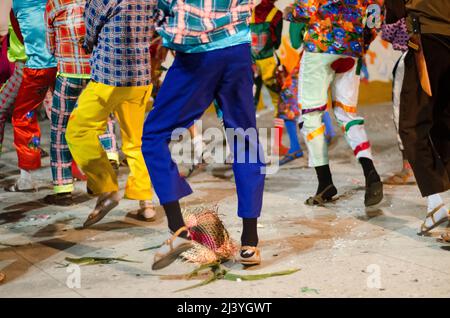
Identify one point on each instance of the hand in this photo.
(288, 12)
(254, 68)
(81, 40)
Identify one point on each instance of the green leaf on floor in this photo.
(215, 271)
(309, 290)
(91, 260)
(151, 248)
(234, 277)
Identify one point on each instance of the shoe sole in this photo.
(142, 218)
(250, 263)
(171, 256)
(100, 215)
(432, 227)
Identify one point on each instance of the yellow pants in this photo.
(267, 68)
(89, 120)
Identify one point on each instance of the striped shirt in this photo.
(193, 22)
(118, 32)
(65, 31)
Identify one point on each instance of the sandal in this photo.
(171, 249)
(319, 199)
(253, 259)
(291, 157)
(194, 170)
(404, 177)
(445, 237)
(424, 229)
(103, 207)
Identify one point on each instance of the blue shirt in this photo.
(240, 37)
(30, 15)
(119, 34)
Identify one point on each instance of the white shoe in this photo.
(22, 185)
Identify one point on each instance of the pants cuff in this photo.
(66, 188)
(114, 156)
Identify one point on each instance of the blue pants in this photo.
(191, 84)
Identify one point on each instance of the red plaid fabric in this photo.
(65, 31)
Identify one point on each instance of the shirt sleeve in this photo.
(96, 14)
(296, 33)
(48, 17)
(165, 6)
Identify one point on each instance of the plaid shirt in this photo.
(65, 29)
(202, 21)
(118, 32)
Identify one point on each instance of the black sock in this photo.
(403, 155)
(370, 172)
(324, 177)
(249, 232)
(174, 217)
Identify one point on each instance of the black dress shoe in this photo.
(374, 193)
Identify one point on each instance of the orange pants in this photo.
(27, 134)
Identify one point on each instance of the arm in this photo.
(48, 18)
(301, 10)
(393, 28)
(276, 28)
(5, 8)
(96, 14)
(395, 10)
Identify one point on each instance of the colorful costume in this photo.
(9, 91)
(334, 43)
(266, 26)
(187, 89)
(120, 85)
(221, 70)
(289, 107)
(425, 120)
(394, 30)
(6, 68)
(38, 76)
(65, 29)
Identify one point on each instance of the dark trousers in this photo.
(425, 120)
(192, 83)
